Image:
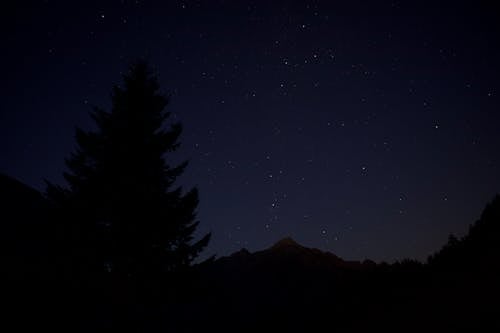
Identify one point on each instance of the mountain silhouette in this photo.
(289, 255)
(282, 287)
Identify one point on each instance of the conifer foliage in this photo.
(122, 210)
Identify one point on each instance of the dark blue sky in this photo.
(369, 129)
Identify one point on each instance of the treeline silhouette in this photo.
(113, 251)
(478, 250)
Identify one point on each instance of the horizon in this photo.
(287, 239)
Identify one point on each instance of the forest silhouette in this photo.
(113, 250)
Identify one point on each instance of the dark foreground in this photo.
(287, 288)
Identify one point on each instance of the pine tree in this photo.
(122, 211)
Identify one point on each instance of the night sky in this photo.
(368, 129)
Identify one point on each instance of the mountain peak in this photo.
(241, 253)
(286, 242)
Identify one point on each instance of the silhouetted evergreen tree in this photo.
(122, 212)
(478, 249)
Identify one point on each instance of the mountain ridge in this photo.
(288, 253)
